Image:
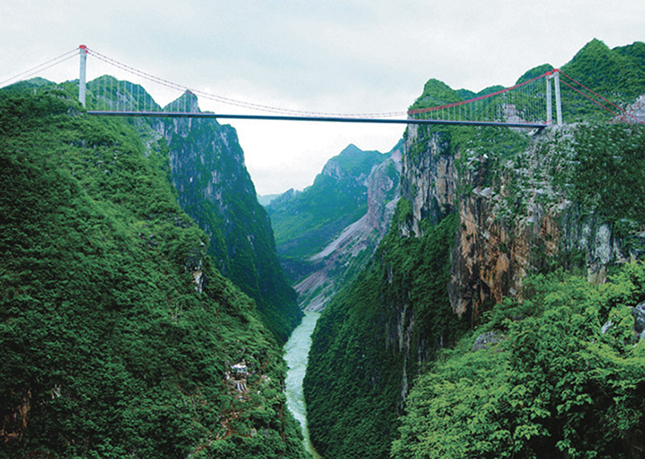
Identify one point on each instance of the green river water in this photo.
(296, 355)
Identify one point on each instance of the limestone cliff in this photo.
(516, 214)
(346, 255)
(429, 177)
(480, 209)
(214, 187)
(120, 337)
(327, 232)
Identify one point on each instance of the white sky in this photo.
(338, 56)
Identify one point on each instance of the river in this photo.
(296, 355)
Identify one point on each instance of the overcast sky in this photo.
(338, 56)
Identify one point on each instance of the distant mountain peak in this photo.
(350, 149)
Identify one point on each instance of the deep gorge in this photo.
(474, 292)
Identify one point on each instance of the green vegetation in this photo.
(436, 93)
(305, 222)
(366, 341)
(563, 373)
(534, 73)
(118, 334)
(554, 385)
(608, 173)
(601, 168)
(618, 74)
(216, 190)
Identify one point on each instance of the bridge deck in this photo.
(333, 119)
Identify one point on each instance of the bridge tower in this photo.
(81, 79)
(555, 76)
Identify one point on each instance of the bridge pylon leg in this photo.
(81, 78)
(549, 107)
(558, 101)
(555, 76)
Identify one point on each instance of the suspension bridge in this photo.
(528, 104)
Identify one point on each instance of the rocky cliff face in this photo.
(345, 256)
(214, 187)
(207, 169)
(475, 217)
(517, 210)
(480, 209)
(516, 214)
(429, 177)
(207, 166)
(327, 232)
(383, 190)
(121, 338)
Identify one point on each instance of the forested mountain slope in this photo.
(326, 233)
(491, 238)
(215, 189)
(120, 338)
(304, 222)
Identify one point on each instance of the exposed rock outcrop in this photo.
(514, 216)
(346, 255)
(485, 340)
(215, 188)
(206, 166)
(428, 178)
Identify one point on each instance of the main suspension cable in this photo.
(227, 100)
(44, 66)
